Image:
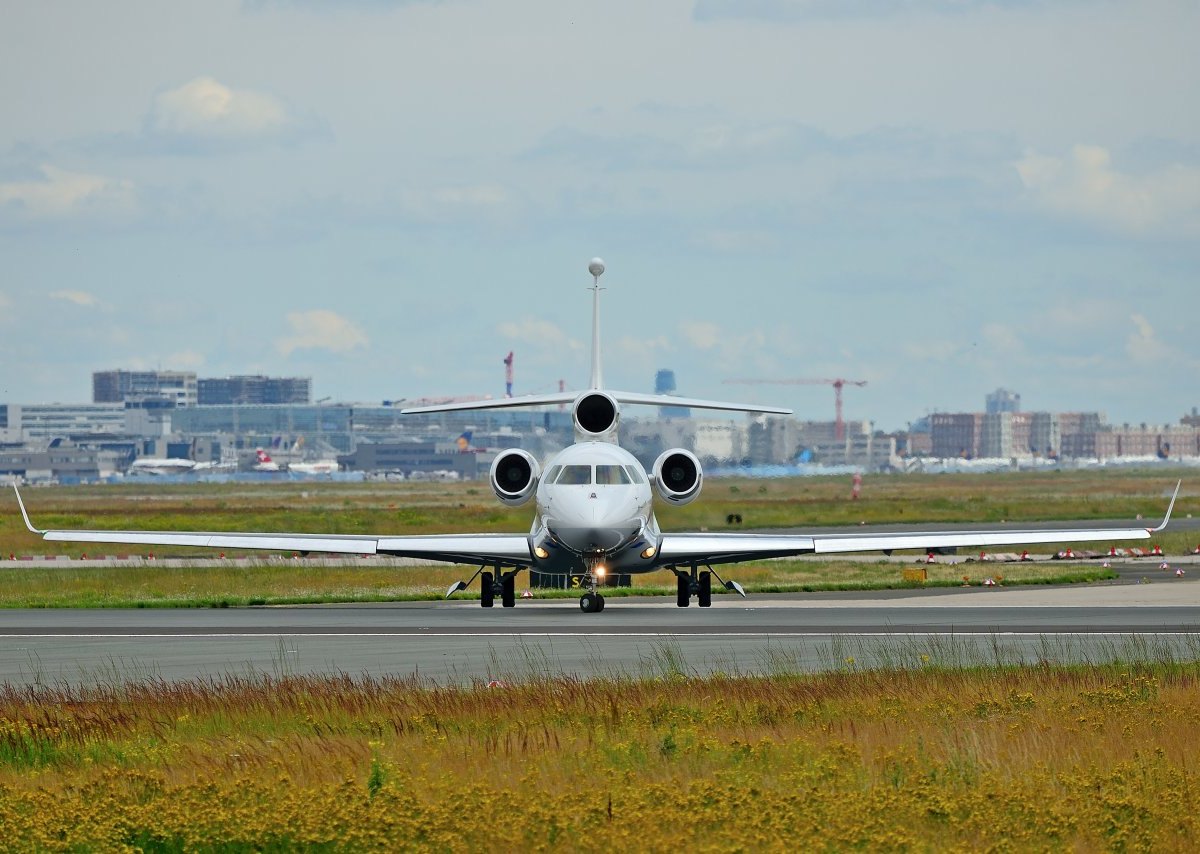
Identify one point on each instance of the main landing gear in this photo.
(694, 582)
(491, 585)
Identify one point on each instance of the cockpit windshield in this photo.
(611, 475)
(575, 476)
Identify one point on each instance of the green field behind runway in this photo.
(920, 756)
(421, 508)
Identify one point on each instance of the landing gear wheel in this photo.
(600, 604)
(704, 597)
(487, 594)
(590, 603)
(508, 591)
(683, 590)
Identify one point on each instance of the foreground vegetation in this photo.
(916, 757)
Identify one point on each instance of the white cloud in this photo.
(321, 329)
(62, 194)
(1085, 184)
(80, 298)
(1003, 340)
(205, 110)
(1143, 345)
(701, 334)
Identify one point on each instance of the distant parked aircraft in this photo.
(162, 466)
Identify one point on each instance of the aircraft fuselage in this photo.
(594, 508)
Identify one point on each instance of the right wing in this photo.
(710, 548)
(504, 549)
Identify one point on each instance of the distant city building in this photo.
(1079, 431)
(123, 386)
(1045, 436)
(1003, 400)
(408, 458)
(955, 434)
(21, 422)
(664, 383)
(996, 435)
(216, 391)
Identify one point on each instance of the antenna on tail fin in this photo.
(596, 268)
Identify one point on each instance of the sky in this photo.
(939, 197)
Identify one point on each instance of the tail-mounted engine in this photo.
(596, 416)
(514, 477)
(677, 476)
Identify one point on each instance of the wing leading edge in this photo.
(730, 548)
(506, 549)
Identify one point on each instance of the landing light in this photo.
(541, 553)
(600, 571)
(649, 552)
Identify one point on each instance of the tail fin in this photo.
(263, 456)
(596, 268)
(464, 442)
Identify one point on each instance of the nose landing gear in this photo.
(592, 602)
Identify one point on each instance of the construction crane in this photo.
(508, 374)
(838, 385)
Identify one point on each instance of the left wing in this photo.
(730, 548)
(506, 549)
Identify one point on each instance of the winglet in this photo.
(1170, 507)
(24, 513)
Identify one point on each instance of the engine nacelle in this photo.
(514, 476)
(678, 476)
(596, 415)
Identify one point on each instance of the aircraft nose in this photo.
(601, 524)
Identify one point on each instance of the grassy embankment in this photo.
(921, 756)
(448, 508)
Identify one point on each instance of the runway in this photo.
(457, 642)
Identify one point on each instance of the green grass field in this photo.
(447, 508)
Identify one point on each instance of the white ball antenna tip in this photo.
(596, 267)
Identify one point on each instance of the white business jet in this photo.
(593, 511)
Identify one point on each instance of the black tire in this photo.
(508, 591)
(486, 594)
(599, 602)
(587, 603)
(704, 597)
(683, 591)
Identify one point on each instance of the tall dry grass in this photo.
(924, 756)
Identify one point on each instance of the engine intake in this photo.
(678, 476)
(596, 414)
(514, 477)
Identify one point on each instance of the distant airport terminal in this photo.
(175, 425)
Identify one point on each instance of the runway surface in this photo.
(454, 642)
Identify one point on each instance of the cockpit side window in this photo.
(635, 474)
(552, 475)
(611, 475)
(575, 476)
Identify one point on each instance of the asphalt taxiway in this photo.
(447, 642)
